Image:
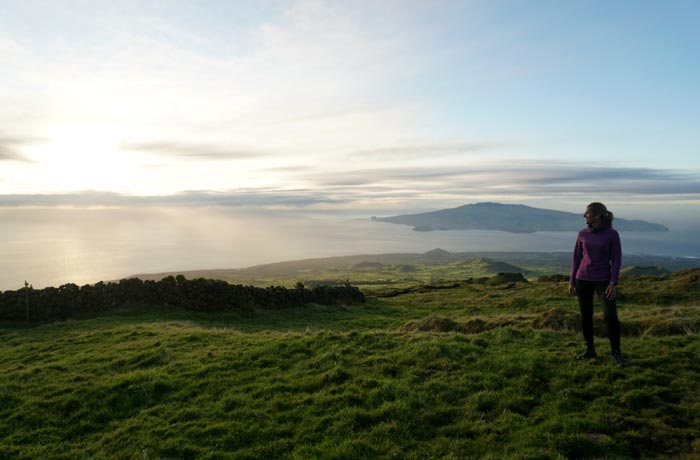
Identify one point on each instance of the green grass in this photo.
(357, 382)
(394, 275)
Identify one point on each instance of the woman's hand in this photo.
(572, 289)
(610, 292)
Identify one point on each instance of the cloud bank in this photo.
(191, 151)
(10, 149)
(91, 198)
(373, 189)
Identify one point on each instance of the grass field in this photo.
(406, 269)
(457, 370)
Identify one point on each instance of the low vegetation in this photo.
(456, 369)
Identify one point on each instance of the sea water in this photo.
(52, 246)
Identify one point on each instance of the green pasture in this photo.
(440, 371)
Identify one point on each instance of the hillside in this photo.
(456, 370)
(648, 271)
(490, 266)
(507, 218)
(410, 268)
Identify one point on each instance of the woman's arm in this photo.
(575, 263)
(615, 258)
(615, 264)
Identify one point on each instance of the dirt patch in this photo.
(474, 326)
(558, 319)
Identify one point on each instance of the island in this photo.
(515, 218)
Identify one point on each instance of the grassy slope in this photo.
(355, 383)
(406, 269)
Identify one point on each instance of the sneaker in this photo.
(589, 353)
(619, 360)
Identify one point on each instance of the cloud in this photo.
(330, 93)
(575, 173)
(287, 81)
(195, 198)
(9, 151)
(8, 154)
(514, 177)
(393, 152)
(289, 169)
(373, 188)
(192, 151)
(416, 176)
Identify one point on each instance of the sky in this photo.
(370, 107)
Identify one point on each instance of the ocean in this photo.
(52, 246)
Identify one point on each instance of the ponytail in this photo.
(609, 218)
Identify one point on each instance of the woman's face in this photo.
(592, 218)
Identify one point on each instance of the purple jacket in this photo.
(597, 255)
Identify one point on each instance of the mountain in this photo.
(439, 255)
(515, 218)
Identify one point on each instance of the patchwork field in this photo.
(480, 368)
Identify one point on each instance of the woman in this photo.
(595, 268)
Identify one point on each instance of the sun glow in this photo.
(81, 156)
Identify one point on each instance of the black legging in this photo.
(584, 292)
